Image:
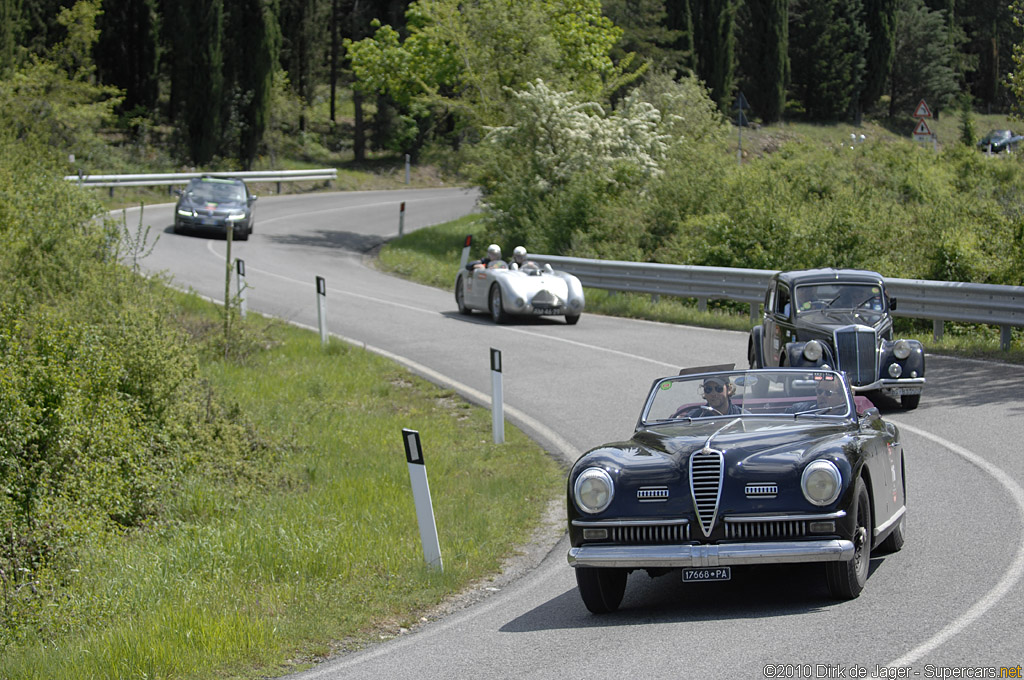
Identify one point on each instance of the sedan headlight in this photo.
(813, 350)
(593, 490)
(186, 212)
(821, 482)
(901, 349)
(235, 217)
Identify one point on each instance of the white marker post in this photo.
(240, 282)
(497, 405)
(465, 251)
(421, 497)
(401, 219)
(321, 308)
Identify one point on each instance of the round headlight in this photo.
(813, 351)
(901, 349)
(821, 482)
(895, 370)
(593, 490)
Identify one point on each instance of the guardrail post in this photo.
(321, 308)
(1005, 336)
(938, 327)
(755, 309)
(421, 498)
(401, 219)
(406, 168)
(497, 404)
(702, 304)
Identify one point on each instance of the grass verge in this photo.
(431, 256)
(229, 582)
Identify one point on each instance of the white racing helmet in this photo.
(494, 251)
(519, 254)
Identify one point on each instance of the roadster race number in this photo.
(715, 574)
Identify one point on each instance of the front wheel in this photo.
(910, 401)
(497, 312)
(894, 541)
(460, 298)
(601, 589)
(572, 319)
(847, 579)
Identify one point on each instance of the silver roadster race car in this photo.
(530, 290)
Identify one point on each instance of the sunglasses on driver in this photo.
(713, 388)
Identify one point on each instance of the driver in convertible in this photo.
(828, 397)
(718, 393)
(493, 255)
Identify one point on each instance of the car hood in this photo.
(526, 283)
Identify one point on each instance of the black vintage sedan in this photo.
(838, 319)
(998, 141)
(215, 204)
(731, 468)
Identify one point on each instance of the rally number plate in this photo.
(713, 574)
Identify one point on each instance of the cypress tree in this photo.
(255, 52)
(127, 52)
(8, 40)
(714, 24)
(828, 40)
(880, 21)
(764, 56)
(199, 54)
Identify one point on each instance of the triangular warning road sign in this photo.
(922, 129)
(922, 110)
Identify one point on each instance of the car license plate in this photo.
(714, 574)
(550, 311)
(900, 391)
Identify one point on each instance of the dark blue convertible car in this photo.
(730, 468)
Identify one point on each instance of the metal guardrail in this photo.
(938, 301)
(170, 178)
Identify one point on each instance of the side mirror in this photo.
(870, 415)
(179, 192)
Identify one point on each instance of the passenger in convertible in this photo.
(828, 398)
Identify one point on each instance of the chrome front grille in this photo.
(650, 534)
(855, 353)
(706, 486)
(795, 528)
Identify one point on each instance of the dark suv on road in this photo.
(213, 204)
(838, 319)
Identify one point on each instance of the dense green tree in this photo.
(992, 34)
(199, 86)
(127, 52)
(646, 33)
(253, 41)
(10, 16)
(764, 56)
(304, 43)
(880, 20)
(679, 19)
(922, 68)
(828, 40)
(714, 30)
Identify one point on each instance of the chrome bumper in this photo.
(651, 556)
(888, 384)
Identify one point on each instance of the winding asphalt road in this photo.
(950, 604)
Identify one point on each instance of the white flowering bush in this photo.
(559, 173)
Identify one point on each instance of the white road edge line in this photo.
(1010, 578)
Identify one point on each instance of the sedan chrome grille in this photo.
(706, 486)
(855, 353)
(650, 534)
(768, 529)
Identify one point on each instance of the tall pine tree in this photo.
(880, 21)
(198, 87)
(714, 24)
(253, 51)
(127, 53)
(827, 44)
(764, 56)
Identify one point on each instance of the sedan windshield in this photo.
(792, 393)
(811, 298)
(211, 192)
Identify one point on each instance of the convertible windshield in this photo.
(810, 298)
(781, 392)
